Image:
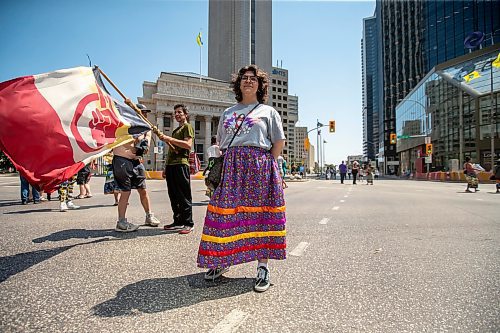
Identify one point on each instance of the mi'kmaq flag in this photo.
(52, 124)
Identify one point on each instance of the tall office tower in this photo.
(293, 117)
(288, 112)
(414, 37)
(301, 153)
(369, 45)
(239, 34)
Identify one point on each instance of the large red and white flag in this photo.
(52, 124)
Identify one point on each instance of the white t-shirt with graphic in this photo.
(261, 128)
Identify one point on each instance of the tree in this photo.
(5, 162)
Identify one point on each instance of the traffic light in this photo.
(332, 126)
(307, 144)
(428, 149)
(393, 138)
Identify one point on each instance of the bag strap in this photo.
(238, 129)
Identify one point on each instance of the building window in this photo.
(285, 106)
(274, 81)
(274, 96)
(274, 88)
(279, 97)
(279, 89)
(279, 82)
(197, 125)
(285, 98)
(284, 91)
(279, 105)
(274, 103)
(166, 121)
(284, 83)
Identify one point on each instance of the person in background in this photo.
(470, 175)
(82, 180)
(212, 152)
(66, 194)
(110, 186)
(343, 171)
(25, 191)
(496, 175)
(355, 170)
(129, 173)
(176, 172)
(245, 220)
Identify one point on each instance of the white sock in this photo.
(262, 264)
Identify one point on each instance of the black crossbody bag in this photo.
(217, 164)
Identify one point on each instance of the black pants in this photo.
(342, 177)
(179, 192)
(354, 176)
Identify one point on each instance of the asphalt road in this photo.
(399, 256)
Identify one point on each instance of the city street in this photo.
(399, 256)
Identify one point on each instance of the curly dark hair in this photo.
(261, 75)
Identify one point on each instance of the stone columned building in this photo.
(206, 99)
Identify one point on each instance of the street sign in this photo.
(158, 150)
(427, 139)
(428, 159)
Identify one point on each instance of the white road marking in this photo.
(346, 196)
(324, 221)
(335, 208)
(342, 200)
(479, 199)
(231, 322)
(299, 250)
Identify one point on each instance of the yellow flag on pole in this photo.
(198, 39)
(471, 76)
(496, 63)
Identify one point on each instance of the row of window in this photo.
(285, 98)
(280, 82)
(280, 90)
(285, 106)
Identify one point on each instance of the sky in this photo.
(133, 41)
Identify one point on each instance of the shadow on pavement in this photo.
(7, 203)
(46, 210)
(158, 295)
(85, 234)
(12, 265)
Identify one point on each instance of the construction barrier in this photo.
(157, 175)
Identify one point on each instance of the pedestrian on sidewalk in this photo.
(176, 172)
(129, 173)
(245, 220)
(343, 171)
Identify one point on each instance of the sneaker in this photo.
(63, 207)
(71, 205)
(186, 230)
(151, 220)
(213, 274)
(173, 226)
(124, 226)
(262, 281)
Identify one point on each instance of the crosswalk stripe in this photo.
(231, 322)
(299, 250)
(324, 221)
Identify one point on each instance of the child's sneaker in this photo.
(213, 274)
(63, 207)
(71, 205)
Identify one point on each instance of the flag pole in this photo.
(133, 106)
(200, 63)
